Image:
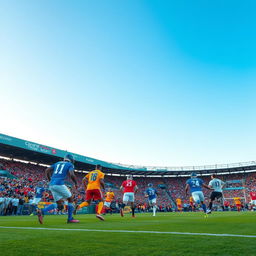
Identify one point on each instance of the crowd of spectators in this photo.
(17, 193)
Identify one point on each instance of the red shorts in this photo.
(238, 205)
(179, 206)
(94, 194)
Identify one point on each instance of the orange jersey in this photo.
(237, 200)
(109, 196)
(178, 201)
(94, 178)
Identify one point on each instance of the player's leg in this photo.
(131, 199)
(125, 202)
(88, 199)
(97, 196)
(154, 206)
(71, 210)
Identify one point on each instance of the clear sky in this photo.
(165, 83)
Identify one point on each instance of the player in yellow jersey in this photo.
(93, 182)
(179, 204)
(238, 203)
(109, 196)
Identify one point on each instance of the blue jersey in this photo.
(39, 192)
(151, 192)
(195, 184)
(60, 172)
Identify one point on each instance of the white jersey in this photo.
(216, 184)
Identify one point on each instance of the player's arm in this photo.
(135, 189)
(102, 183)
(186, 189)
(206, 186)
(84, 181)
(146, 194)
(73, 177)
(122, 188)
(48, 172)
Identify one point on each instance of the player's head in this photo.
(213, 176)
(129, 177)
(150, 185)
(193, 175)
(98, 167)
(109, 189)
(69, 158)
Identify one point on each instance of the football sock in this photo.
(154, 210)
(70, 211)
(210, 205)
(133, 211)
(204, 207)
(100, 206)
(83, 204)
(49, 208)
(223, 208)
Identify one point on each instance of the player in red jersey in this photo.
(129, 188)
(253, 198)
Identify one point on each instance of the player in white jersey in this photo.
(217, 193)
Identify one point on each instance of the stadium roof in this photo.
(12, 147)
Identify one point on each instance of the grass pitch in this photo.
(73, 242)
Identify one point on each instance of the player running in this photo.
(217, 193)
(60, 171)
(39, 194)
(129, 188)
(195, 184)
(93, 182)
(151, 194)
(179, 204)
(253, 198)
(109, 197)
(238, 203)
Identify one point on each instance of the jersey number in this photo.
(129, 184)
(93, 176)
(59, 169)
(195, 183)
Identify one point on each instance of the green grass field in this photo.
(66, 242)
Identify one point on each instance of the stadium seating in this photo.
(28, 175)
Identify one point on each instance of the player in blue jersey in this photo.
(39, 193)
(195, 184)
(60, 171)
(151, 194)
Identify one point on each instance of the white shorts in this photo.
(253, 202)
(152, 201)
(198, 196)
(107, 204)
(128, 197)
(60, 192)
(36, 200)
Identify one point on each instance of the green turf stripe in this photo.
(132, 231)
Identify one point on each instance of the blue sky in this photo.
(165, 83)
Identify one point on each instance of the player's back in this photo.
(151, 192)
(195, 184)
(60, 172)
(216, 184)
(94, 178)
(129, 186)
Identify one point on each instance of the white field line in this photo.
(131, 231)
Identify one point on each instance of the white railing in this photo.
(189, 168)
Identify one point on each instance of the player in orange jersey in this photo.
(179, 204)
(93, 182)
(238, 203)
(109, 196)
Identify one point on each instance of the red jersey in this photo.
(129, 185)
(253, 195)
